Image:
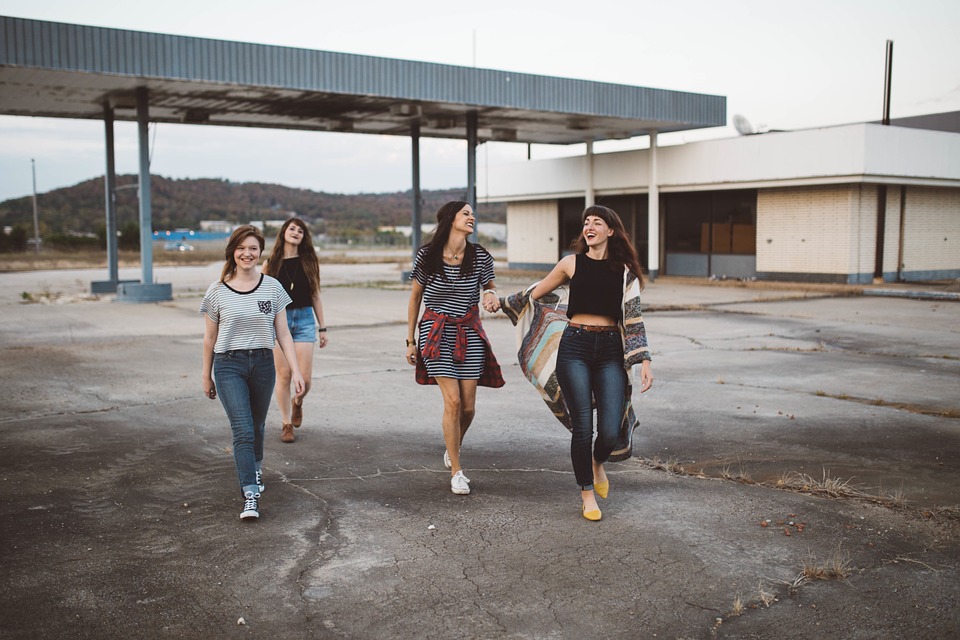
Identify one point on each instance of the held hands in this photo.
(491, 303)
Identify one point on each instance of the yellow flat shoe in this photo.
(602, 488)
(593, 515)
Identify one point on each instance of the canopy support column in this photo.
(653, 213)
(472, 169)
(147, 290)
(417, 220)
(110, 206)
(589, 196)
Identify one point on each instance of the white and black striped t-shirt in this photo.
(245, 318)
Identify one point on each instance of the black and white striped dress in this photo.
(454, 296)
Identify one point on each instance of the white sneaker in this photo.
(262, 487)
(460, 484)
(446, 458)
(251, 506)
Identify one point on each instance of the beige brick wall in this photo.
(931, 239)
(825, 229)
(891, 235)
(533, 232)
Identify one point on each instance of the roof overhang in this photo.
(72, 71)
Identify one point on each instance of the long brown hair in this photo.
(433, 260)
(620, 251)
(306, 253)
(236, 239)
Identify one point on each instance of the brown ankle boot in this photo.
(297, 406)
(286, 435)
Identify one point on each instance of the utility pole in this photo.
(36, 224)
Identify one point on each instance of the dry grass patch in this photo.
(835, 567)
(738, 606)
(827, 485)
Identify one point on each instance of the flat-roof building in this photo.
(846, 204)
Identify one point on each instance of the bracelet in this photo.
(321, 329)
(411, 343)
(486, 291)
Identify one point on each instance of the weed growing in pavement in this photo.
(902, 406)
(737, 606)
(827, 485)
(766, 597)
(835, 567)
(672, 465)
(740, 476)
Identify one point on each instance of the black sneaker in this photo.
(251, 506)
(262, 487)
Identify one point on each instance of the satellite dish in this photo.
(742, 125)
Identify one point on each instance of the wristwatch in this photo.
(411, 343)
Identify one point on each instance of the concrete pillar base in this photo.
(101, 287)
(139, 293)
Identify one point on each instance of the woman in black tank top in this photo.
(590, 359)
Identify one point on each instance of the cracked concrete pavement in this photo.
(119, 505)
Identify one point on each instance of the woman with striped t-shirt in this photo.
(454, 352)
(245, 312)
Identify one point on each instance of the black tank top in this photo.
(595, 289)
(294, 280)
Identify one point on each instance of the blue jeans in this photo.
(590, 370)
(245, 380)
(302, 324)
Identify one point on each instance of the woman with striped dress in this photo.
(453, 351)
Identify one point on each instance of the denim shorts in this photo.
(302, 324)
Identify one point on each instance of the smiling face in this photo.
(247, 253)
(596, 232)
(464, 221)
(293, 235)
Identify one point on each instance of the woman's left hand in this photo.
(322, 340)
(646, 376)
(299, 386)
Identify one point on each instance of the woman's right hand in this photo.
(412, 355)
(209, 389)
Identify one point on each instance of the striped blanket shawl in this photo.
(538, 330)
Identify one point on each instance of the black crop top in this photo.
(595, 289)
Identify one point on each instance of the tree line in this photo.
(73, 217)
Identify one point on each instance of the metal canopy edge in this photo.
(63, 70)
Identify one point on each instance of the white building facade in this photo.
(847, 204)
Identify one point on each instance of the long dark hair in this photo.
(306, 253)
(236, 239)
(433, 258)
(620, 251)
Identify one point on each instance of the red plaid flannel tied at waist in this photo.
(431, 346)
(491, 376)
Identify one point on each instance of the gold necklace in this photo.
(283, 265)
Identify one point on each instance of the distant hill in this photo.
(184, 203)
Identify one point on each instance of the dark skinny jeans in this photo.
(590, 367)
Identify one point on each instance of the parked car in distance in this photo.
(177, 246)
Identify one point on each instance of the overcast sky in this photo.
(783, 65)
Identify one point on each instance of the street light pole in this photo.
(36, 225)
